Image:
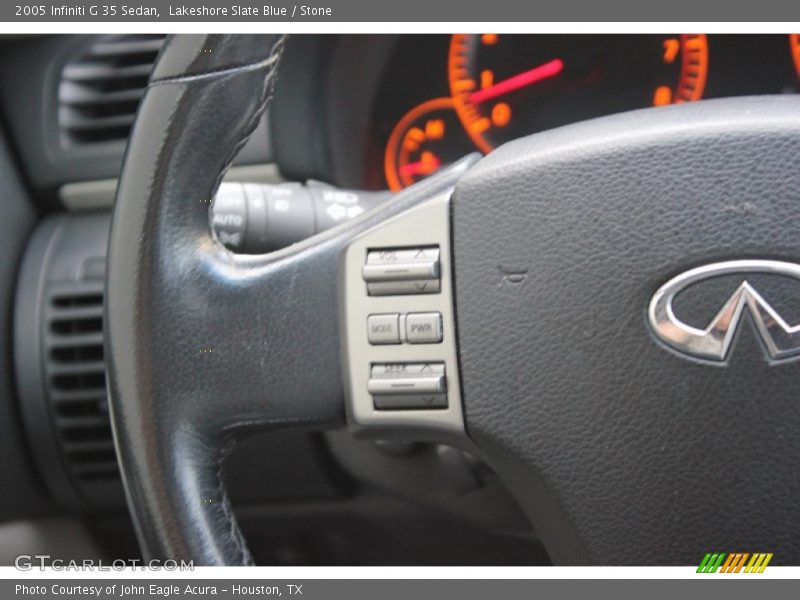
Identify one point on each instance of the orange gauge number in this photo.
(426, 138)
(685, 60)
(508, 86)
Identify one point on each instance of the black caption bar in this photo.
(419, 589)
(400, 11)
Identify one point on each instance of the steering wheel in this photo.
(535, 306)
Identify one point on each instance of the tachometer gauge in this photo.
(427, 138)
(504, 87)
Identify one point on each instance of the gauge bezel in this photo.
(393, 145)
(690, 85)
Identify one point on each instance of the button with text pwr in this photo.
(424, 328)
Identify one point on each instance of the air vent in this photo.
(59, 362)
(100, 89)
(75, 376)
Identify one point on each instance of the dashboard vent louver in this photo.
(101, 87)
(76, 380)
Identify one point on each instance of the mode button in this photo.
(383, 329)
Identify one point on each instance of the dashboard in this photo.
(431, 99)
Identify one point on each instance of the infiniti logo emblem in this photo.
(712, 343)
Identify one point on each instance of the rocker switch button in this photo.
(402, 271)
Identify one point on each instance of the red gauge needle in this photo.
(429, 163)
(534, 75)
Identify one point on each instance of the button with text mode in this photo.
(383, 329)
(424, 328)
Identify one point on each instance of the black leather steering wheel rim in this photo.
(193, 74)
(566, 390)
(194, 357)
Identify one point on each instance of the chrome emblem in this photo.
(712, 343)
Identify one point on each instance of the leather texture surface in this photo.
(203, 344)
(621, 451)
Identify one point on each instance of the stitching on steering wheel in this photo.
(267, 62)
(245, 558)
(270, 63)
(269, 80)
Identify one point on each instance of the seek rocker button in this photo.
(383, 329)
(424, 328)
(410, 401)
(407, 378)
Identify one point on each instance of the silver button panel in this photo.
(400, 272)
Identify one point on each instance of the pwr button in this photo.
(424, 328)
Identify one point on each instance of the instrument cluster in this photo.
(445, 96)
